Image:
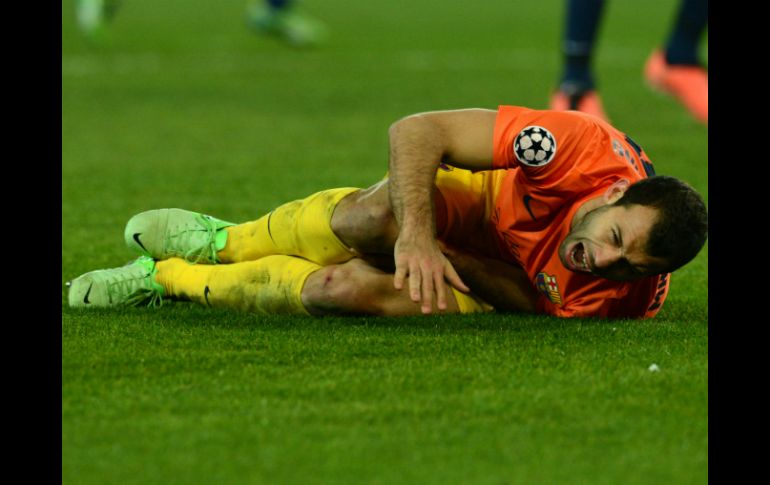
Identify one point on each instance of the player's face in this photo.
(610, 241)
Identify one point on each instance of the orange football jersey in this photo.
(555, 161)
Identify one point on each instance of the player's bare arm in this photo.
(418, 144)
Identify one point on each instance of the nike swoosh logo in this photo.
(136, 238)
(85, 298)
(269, 232)
(528, 198)
(206, 295)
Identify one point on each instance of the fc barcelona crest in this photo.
(547, 286)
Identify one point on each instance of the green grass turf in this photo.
(184, 107)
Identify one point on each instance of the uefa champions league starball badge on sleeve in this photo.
(534, 146)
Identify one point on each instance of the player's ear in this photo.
(616, 191)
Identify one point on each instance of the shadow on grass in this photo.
(190, 315)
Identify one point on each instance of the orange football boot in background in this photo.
(689, 84)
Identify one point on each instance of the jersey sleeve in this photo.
(548, 146)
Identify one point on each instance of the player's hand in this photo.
(426, 266)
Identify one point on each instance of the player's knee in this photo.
(380, 220)
(365, 221)
(340, 289)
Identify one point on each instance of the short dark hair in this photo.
(682, 226)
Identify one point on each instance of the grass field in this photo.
(184, 107)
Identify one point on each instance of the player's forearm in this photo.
(416, 148)
(419, 143)
(504, 286)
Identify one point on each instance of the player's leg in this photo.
(328, 227)
(364, 221)
(272, 285)
(357, 288)
(281, 19)
(676, 69)
(336, 225)
(297, 228)
(348, 217)
(689, 25)
(269, 285)
(93, 16)
(289, 285)
(577, 87)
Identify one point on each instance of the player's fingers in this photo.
(427, 291)
(398, 278)
(454, 278)
(441, 290)
(414, 282)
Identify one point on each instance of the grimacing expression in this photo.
(610, 242)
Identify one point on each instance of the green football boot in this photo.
(93, 16)
(167, 233)
(286, 24)
(130, 285)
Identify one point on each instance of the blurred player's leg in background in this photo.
(281, 19)
(577, 87)
(676, 69)
(93, 16)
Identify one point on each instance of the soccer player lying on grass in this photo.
(538, 211)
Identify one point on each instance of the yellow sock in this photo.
(269, 285)
(299, 228)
